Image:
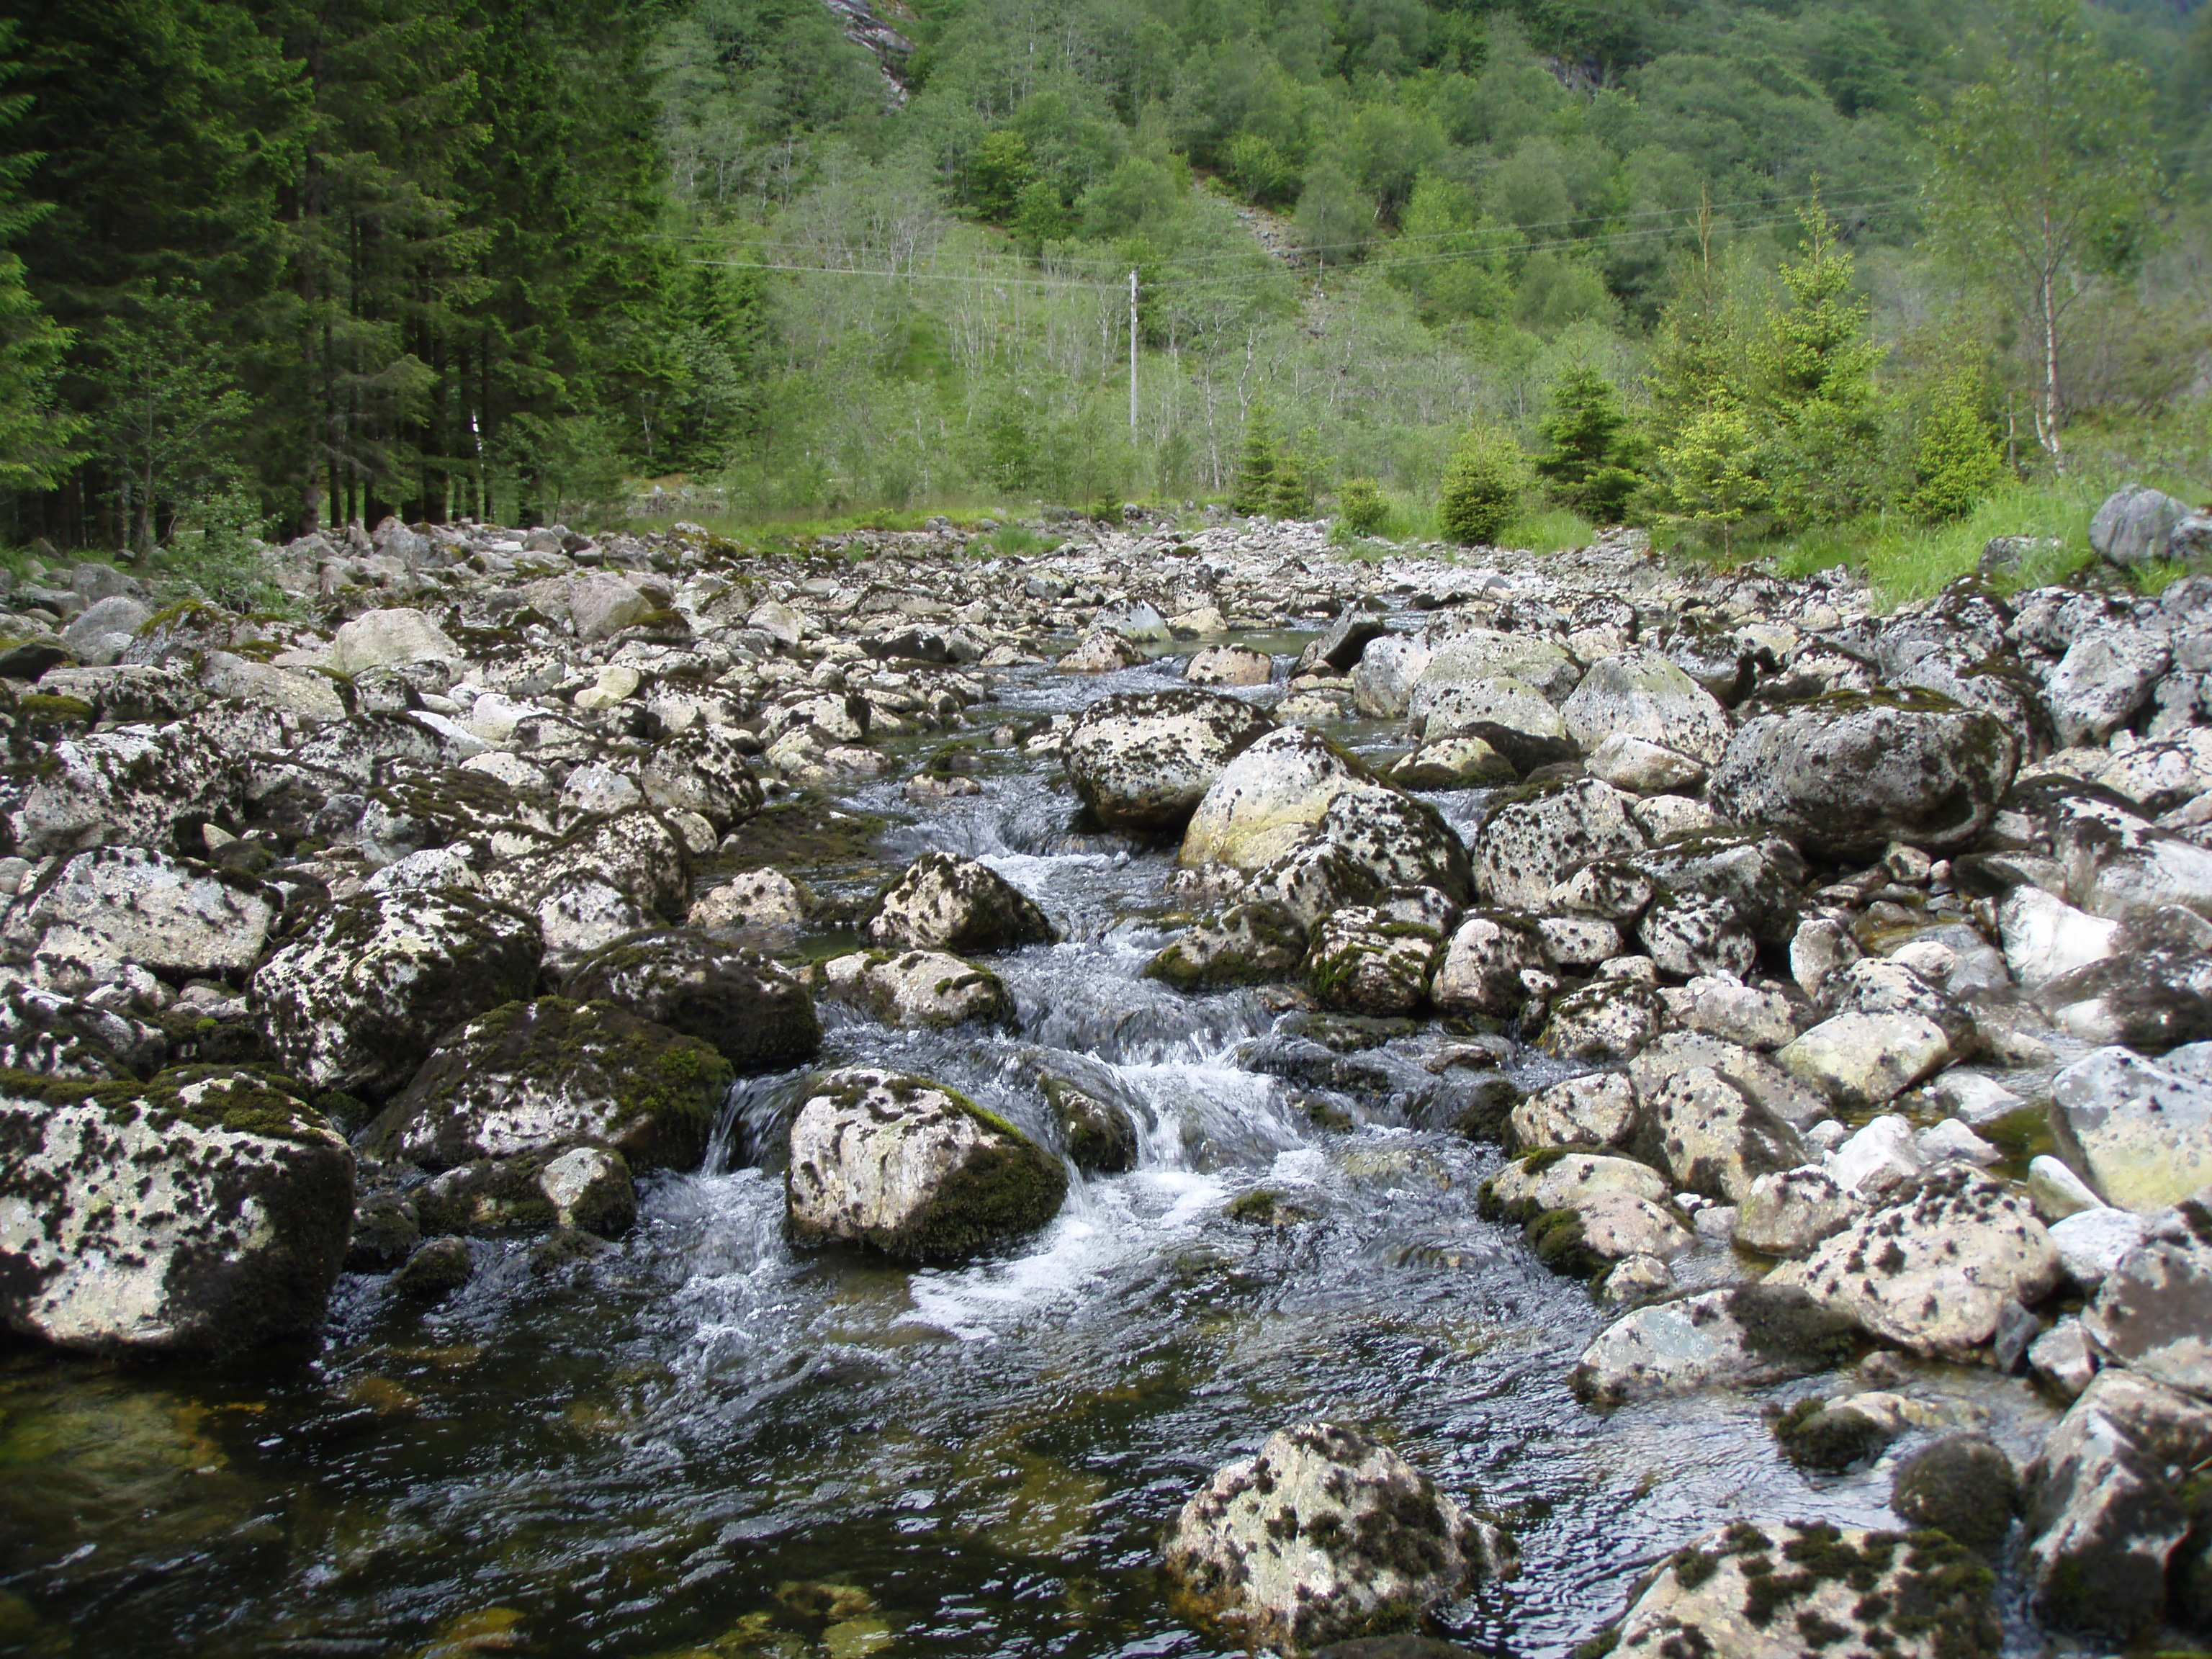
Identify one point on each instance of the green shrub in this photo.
(1589, 457)
(1363, 506)
(1253, 489)
(1956, 462)
(1483, 488)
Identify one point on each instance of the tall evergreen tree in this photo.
(35, 432)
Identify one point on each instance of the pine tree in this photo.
(35, 432)
(1813, 386)
(1956, 461)
(1588, 457)
(1483, 488)
(1254, 488)
(1709, 472)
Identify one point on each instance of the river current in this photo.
(700, 1442)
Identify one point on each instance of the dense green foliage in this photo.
(1739, 266)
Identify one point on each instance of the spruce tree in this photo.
(1588, 449)
(1254, 488)
(1813, 385)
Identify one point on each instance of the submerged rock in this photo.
(205, 1211)
(911, 1169)
(1322, 1535)
(1800, 1590)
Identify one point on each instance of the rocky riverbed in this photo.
(1182, 1093)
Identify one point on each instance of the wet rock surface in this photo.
(1173, 1019)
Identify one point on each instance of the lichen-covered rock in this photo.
(1513, 718)
(124, 904)
(1714, 1138)
(1846, 775)
(1737, 1336)
(1229, 664)
(755, 1013)
(1583, 1213)
(1363, 961)
(1862, 1060)
(1788, 1211)
(47, 1034)
(2153, 1313)
(1689, 935)
(2116, 861)
(1642, 696)
(1398, 840)
(919, 990)
(1143, 761)
(1482, 969)
(1243, 945)
(1608, 1020)
(702, 769)
(355, 1000)
(754, 901)
(1268, 800)
(131, 786)
(590, 1188)
(1596, 1110)
(204, 1211)
(2135, 525)
(1482, 653)
(1322, 1535)
(2104, 681)
(1935, 1270)
(1532, 842)
(380, 639)
(1453, 763)
(2107, 1510)
(1101, 651)
(535, 1076)
(2151, 989)
(912, 1168)
(942, 902)
(2140, 1129)
(1808, 1590)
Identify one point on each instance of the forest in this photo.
(1749, 269)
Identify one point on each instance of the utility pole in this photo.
(1133, 354)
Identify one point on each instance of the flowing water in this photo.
(699, 1442)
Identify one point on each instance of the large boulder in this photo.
(944, 902)
(1322, 1535)
(386, 639)
(919, 990)
(365, 987)
(2153, 1313)
(1935, 1270)
(1269, 799)
(2107, 1511)
(601, 605)
(1244, 944)
(2104, 681)
(1806, 1590)
(702, 770)
(2141, 1130)
(1516, 720)
(912, 1168)
(1846, 775)
(1644, 696)
(204, 1211)
(534, 1076)
(2135, 525)
(1483, 654)
(1533, 841)
(1145, 760)
(1363, 961)
(756, 1013)
(134, 784)
(1712, 1137)
(124, 904)
(1398, 840)
(2116, 862)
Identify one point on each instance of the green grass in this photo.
(1902, 560)
(1537, 528)
(1548, 529)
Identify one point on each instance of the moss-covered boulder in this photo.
(1809, 1589)
(1845, 774)
(757, 1013)
(1100, 1136)
(941, 903)
(114, 905)
(205, 1211)
(1143, 760)
(702, 769)
(1269, 800)
(1323, 1535)
(1244, 944)
(912, 1168)
(133, 785)
(1536, 838)
(587, 1188)
(1737, 1336)
(1363, 962)
(1963, 1484)
(919, 990)
(532, 1076)
(364, 990)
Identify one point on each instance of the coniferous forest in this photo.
(1748, 269)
